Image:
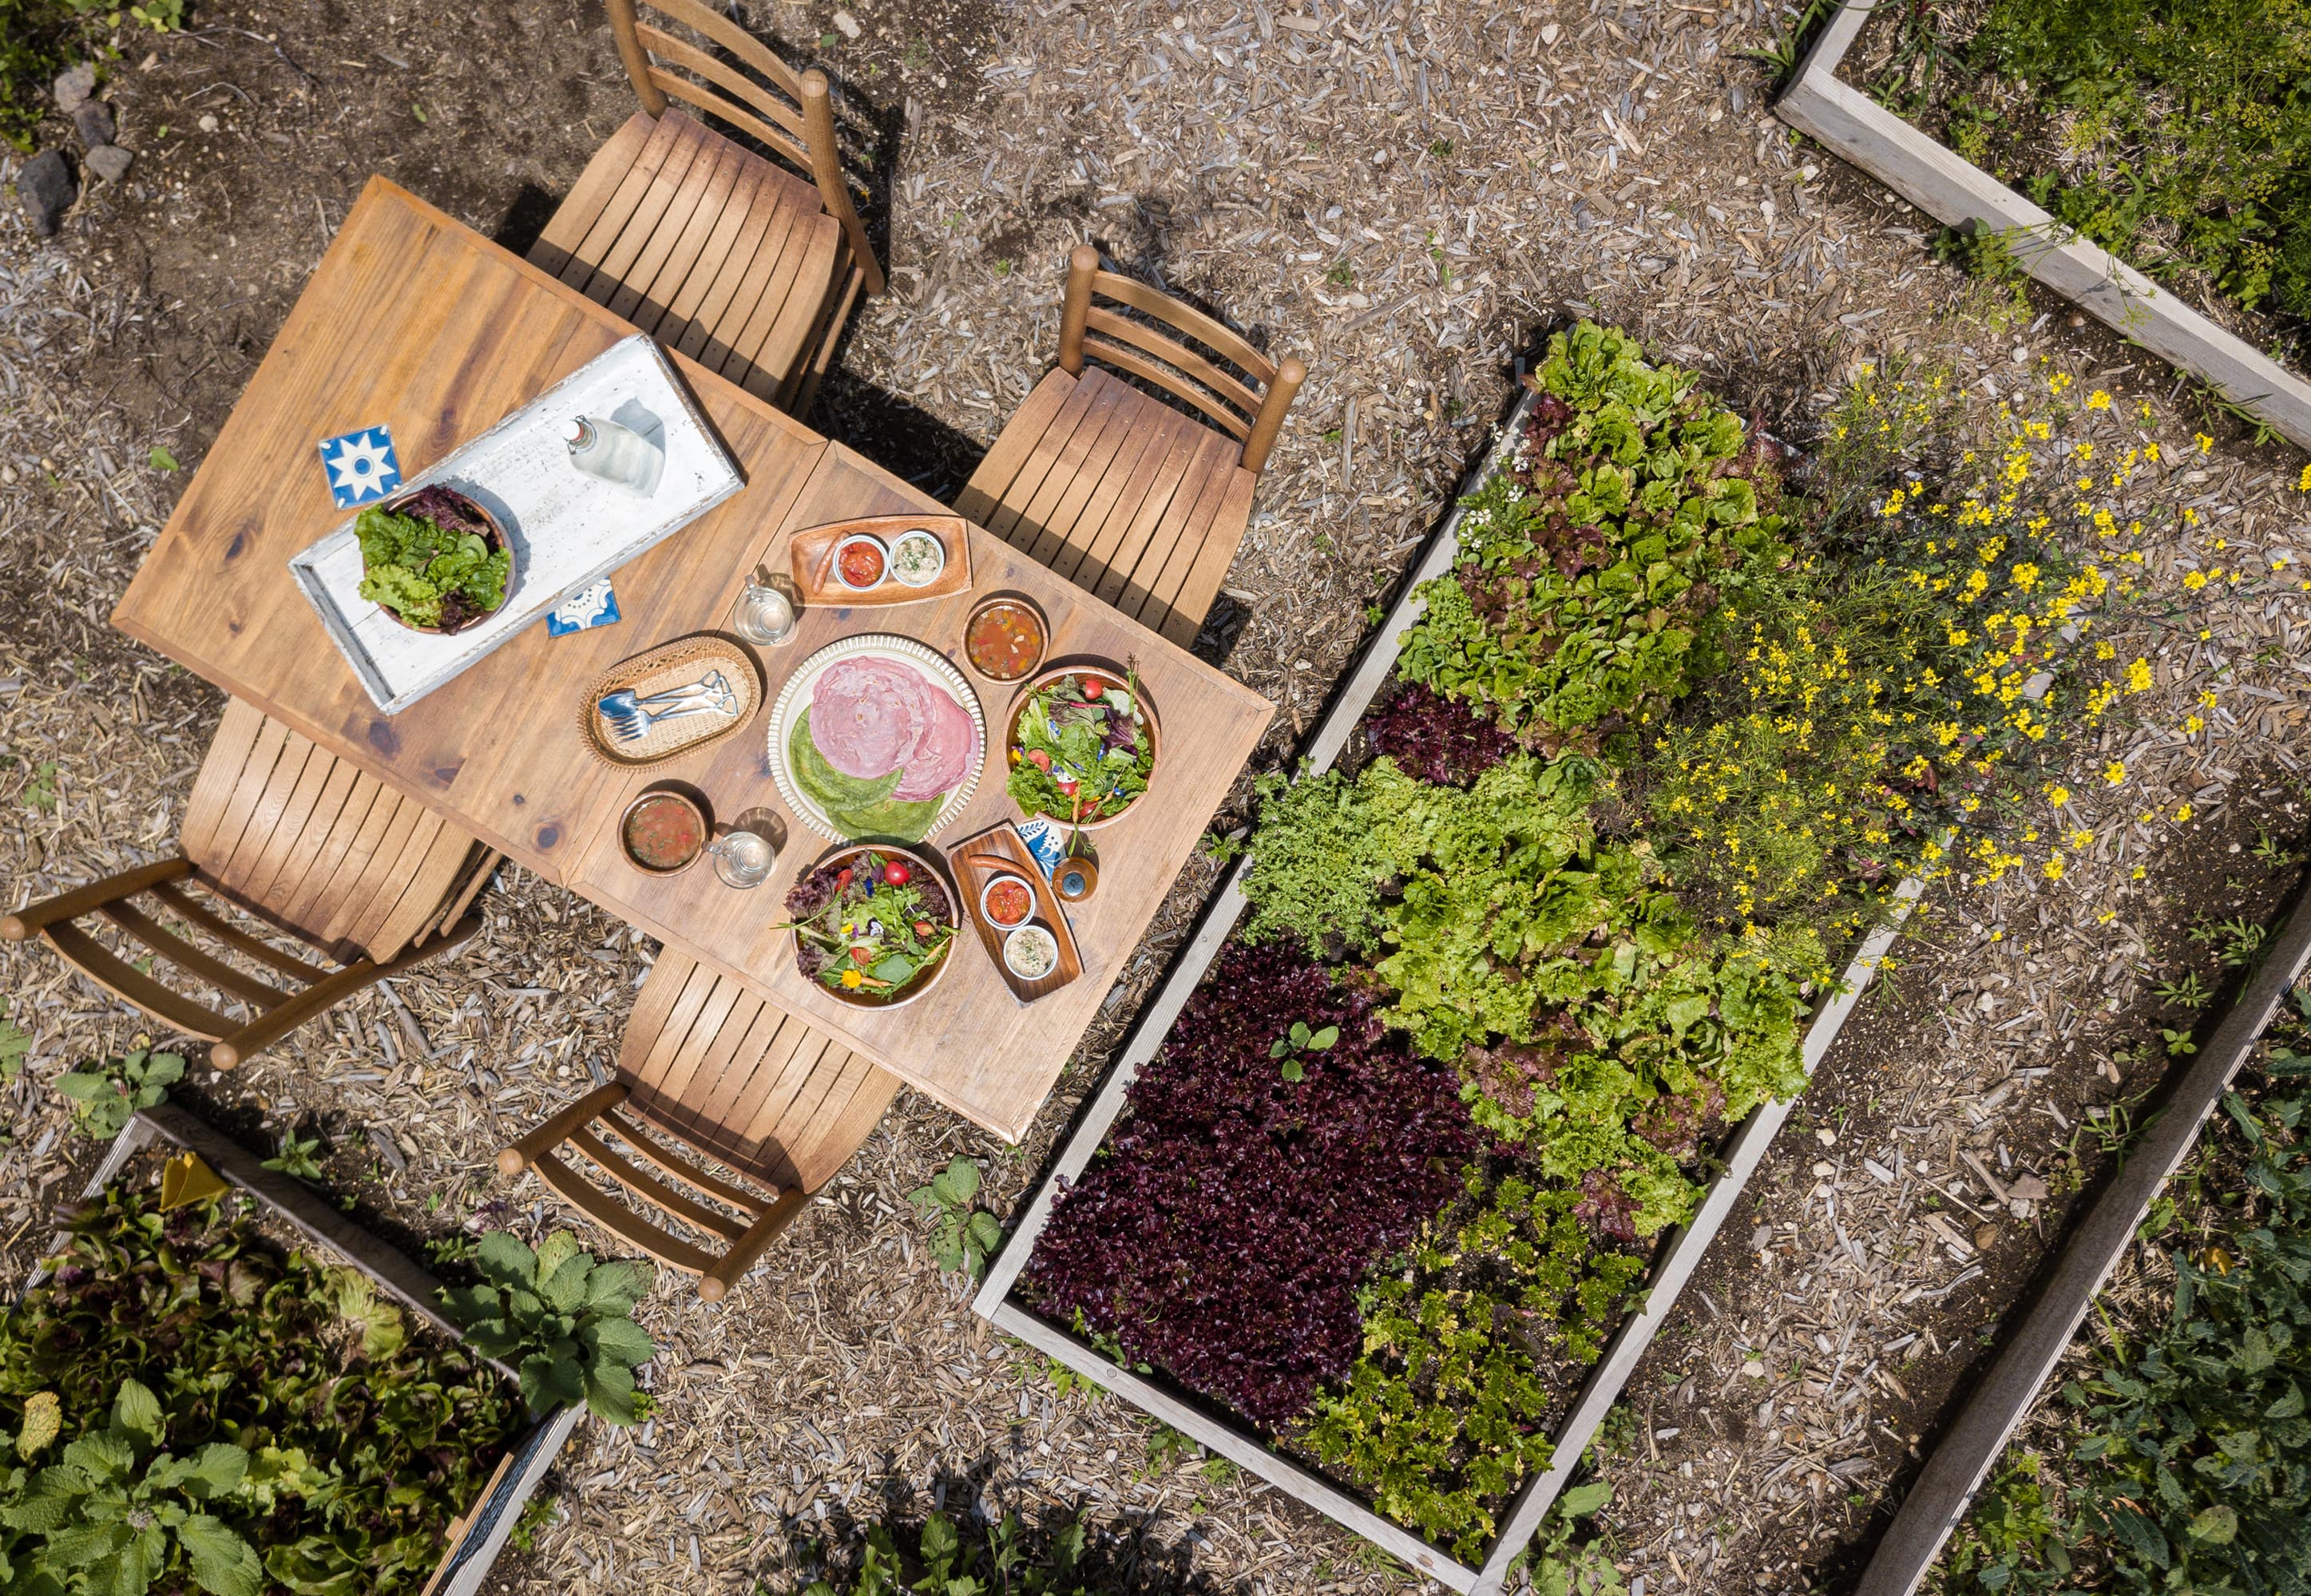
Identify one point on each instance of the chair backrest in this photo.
(791, 113)
(306, 842)
(1248, 403)
(726, 1113)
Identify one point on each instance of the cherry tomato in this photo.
(896, 872)
(1039, 759)
(1091, 687)
(862, 954)
(922, 928)
(1067, 786)
(843, 878)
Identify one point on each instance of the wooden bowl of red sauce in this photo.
(1005, 638)
(662, 833)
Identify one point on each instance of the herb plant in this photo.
(561, 1319)
(965, 1237)
(107, 1096)
(334, 1450)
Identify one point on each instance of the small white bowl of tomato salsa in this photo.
(861, 561)
(1008, 901)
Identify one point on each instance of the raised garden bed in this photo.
(1414, 1151)
(1957, 193)
(348, 1351)
(2234, 1240)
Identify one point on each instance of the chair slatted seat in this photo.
(1140, 503)
(280, 838)
(710, 248)
(725, 1115)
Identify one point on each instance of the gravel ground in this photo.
(1405, 195)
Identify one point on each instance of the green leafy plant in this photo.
(1588, 565)
(336, 1458)
(1563, 1567)
(40, 791)
(113, 1517)
(428, 572)
(564, 1320)
(963, 1237)
(107, 1096)
(941, 1561)
(2178, 1459)
(1301, 1040)
(300, 1157)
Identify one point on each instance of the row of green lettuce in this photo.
(1663, 743)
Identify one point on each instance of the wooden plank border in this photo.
(477, 1536)
(1977, 1438)
(1679, 1256)
(1958, 194)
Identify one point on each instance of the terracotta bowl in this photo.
(492, 534)
(662, 795)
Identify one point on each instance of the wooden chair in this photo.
(703, 244)
(1114, 489)
(297, 842)
(711, 1073)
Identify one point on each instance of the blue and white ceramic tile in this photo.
(361, 467)
(595, 606)
(1045, 841)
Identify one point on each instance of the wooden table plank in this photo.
(414, 321)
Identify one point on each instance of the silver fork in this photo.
(631, 719)
(632, 725)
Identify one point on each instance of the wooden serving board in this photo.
(1001, 850)
(811, 554)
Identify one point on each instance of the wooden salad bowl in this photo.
(835, 858)
(1107, 674)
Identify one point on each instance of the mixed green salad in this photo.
(869, 924)
(1081, 750)
(430, 560)
(857, 806)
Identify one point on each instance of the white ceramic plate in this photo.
(795, 698)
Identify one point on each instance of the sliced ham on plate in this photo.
(943, 757)
(867, 715)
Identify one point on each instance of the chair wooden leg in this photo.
(276, 1023)
(715, 1284)
(512, 1160)
(34, 918)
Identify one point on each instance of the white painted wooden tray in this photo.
(568, 530)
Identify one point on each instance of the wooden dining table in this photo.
(417, 323)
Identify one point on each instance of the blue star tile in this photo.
(360, 466)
